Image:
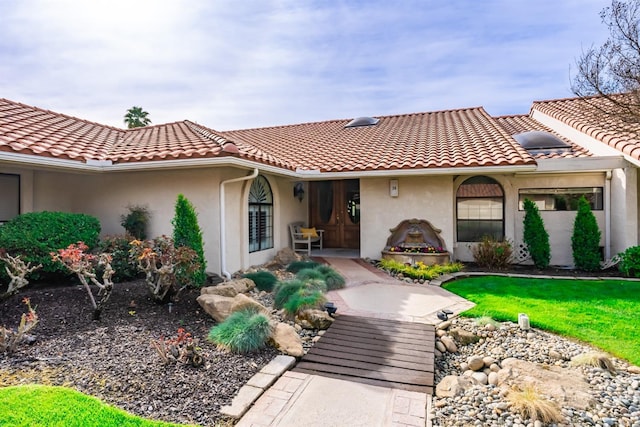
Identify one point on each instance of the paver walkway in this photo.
(302, 399)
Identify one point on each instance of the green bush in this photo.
(242, 332)
(316, 285)
(535, 236)
(284, 290)
(419, 270)
(186, 232)
(119, 247)
(493, 254)
(332, 278)
(309, 274)
(35, 235)
(630, 262)
(296, 266)
(135, 222)
(585, 240)
(303, 299)
(264, 280)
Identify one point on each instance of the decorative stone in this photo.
(453, 385)
(242, 302)
(464, 337)
(556, 355)
(480, 377)
(224, 290)
(492, 378)
(444, 325)
(216, 306)
(440, 347)
(449, 344)
(242, 285)
(488, 361)
(285, 339)
(441, 333)
(633, 369)
(314, 319)
(475, 363)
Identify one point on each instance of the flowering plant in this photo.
(419, 249)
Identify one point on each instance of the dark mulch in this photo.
(113, 359)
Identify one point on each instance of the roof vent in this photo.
(362, 121)
(539, 140)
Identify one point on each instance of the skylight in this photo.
(362, 121)
(539, 140)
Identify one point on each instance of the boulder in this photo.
(568, 387)
(453, 385)
(475, 363)
(242, 285)
(314, 319)
(464, 337)
(216, 306)
(224, 289)
(286, 256)
(241, 302)
(285, 339)
(449, 344)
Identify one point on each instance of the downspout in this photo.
(223, 238)
(607, 216)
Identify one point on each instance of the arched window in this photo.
(260, 215)
(479, 209)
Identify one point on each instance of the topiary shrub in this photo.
(535, 236)
(118, 247)
(303, 299)
(186, 232)
(283, 291)
(242, 332)
(585, 240)
(135, 222)
(35, 235)
(492, 254)
(630, 262)
(296, 266)
(264, 280)
(332, 278)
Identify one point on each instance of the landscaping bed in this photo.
(113, 358)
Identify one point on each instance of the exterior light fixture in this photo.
(298, 191)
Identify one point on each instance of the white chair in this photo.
(302, 238)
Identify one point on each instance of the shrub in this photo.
(303, 299)
(585, 240)
(535, 236)
(242, 332)
(264, 280)
(118, 247)
(630, 262)
(284, 290)
(9, 339)
(493, 254)
(186, 232)
(35, 235)
(296, 266)
(17, 271)
(331, 277)
(183, 349)
(309, 274)
(135, 222)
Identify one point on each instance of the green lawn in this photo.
(604, 313)
(46, 406)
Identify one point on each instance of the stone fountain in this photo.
(416, 240)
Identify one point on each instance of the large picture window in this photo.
(561, 199)
(9, 197)
(479, 209)
(260, 215)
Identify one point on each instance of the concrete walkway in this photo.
(312, 401)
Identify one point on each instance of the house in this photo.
(463, 170)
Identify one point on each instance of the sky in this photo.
(244, 64)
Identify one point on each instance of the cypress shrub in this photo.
(264, 280)
(242, 332)
(585, 241)
(35, 235)
(186, 232)
(535, 236)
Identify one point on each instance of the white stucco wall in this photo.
(624, 209)
(429, 198)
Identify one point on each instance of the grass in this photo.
(600, 312)
(48, 406)
(529, 403)
(242, 332)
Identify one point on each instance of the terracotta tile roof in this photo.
(522, 123)
(480, 190)
(443, 139)
(587, 116)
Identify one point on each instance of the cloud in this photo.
(232, 65)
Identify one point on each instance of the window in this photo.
(9, 197)
(479, 209)
(260, 215)
(561, 199)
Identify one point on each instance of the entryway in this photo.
(335, 208)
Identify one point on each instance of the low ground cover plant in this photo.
(33, 236)
(44, 406)
(600, 312)
(244, 331)
(419, 270)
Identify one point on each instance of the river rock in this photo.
(464, 337)
(480, 377)
(449, 344)
(440, 347)
(475, 363)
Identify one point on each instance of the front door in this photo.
(335, 208)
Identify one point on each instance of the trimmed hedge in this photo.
(35, 235)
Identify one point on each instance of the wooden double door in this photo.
(335, 208)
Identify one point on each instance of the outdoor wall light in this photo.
(394, 190)
(298, 191)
